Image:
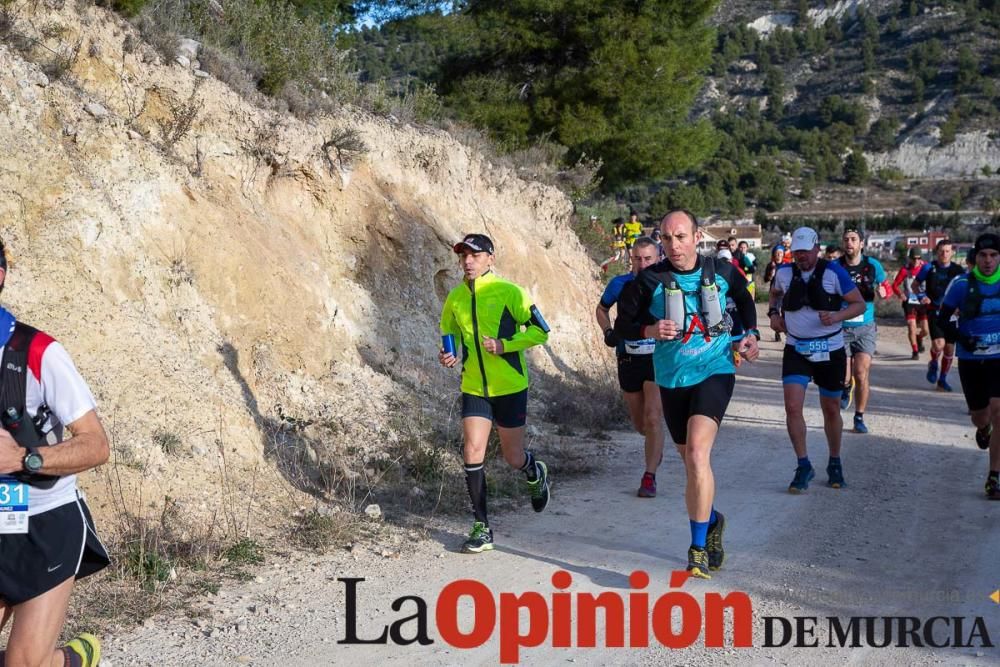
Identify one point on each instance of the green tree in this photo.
(802, 13)
(609, 80)
(882, 134)
(856, 168)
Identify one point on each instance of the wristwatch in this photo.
(756, 333)
(32, 461)
(773, 311)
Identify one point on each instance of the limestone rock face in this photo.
(221, 280)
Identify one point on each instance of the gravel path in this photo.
(911, 535)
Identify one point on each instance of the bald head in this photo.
(677, 215)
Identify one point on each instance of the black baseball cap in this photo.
(475, 243)
(987, 241)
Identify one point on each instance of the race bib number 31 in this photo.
(13, 506)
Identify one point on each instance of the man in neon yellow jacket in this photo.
(495, 321)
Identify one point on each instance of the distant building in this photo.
(923, 240)
(743, 231)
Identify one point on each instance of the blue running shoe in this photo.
(803, 475)
(847, 396)
(942, 385)
(859, 424)
(932, 371)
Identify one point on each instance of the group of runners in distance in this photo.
(686, 321)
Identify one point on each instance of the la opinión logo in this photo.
(563, 619)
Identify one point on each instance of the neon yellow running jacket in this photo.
(494, 307)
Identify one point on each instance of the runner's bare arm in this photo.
(88, 448)
(773, 308)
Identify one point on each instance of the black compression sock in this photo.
(475, 480)
(529, 466)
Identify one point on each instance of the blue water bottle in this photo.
(448, 344)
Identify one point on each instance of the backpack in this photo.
(801, 294)
(23, 353)
(866, 270)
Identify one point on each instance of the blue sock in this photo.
(699, 533)
(713, 517)
(804, 462)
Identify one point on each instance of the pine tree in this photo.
(609, 80)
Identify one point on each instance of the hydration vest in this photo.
(863, 276)
(21, 355)
(801, 293)
(972, 307)
(710, 316)
(939, 278)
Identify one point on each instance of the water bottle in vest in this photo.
(674, 304)
(711, 308)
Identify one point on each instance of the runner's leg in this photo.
(833, 425)
(653, 418)
(634, 401)
(795, 421)
(861, 364)
(36, 628)
(700, 490)
(476, 431)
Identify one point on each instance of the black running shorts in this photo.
(932, 324)
(59, 544)
(828, 375)
(510, 411)
(634, 370)
(709, 398)
(980, 381)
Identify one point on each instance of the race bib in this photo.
(640, 347)
(814, 350)
(987, 345)
(13, 506)
(914, 299)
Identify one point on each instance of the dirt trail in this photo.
(912, 526)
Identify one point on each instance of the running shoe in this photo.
(983, 436)
(539, 488)
(647, 488)
(803, 475)
(859, 424)
(847, 396)
(942, 385)
(713, 542)
(698, 563)
(835, 475)
(915, 356)
(480, 539)
(920, 346)
(932, 371)
(992, 491)
(88, 647)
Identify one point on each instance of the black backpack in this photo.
(14, 369)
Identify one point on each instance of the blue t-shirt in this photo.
(869, 315)
(985, 328)
(679, 364)
(610, 298)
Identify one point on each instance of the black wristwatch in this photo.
(773, 311)
(32, 461)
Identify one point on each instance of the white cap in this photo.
(724, 254)
(804, 238)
